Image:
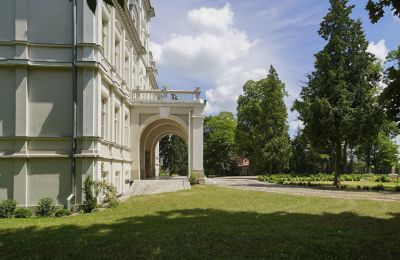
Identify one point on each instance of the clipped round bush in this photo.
(23, 213)
(379, 187)
(7, 208)
(62, 213)
(46, 207)
(397, 188)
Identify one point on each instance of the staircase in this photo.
(157, 185)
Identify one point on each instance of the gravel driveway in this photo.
(251, 183)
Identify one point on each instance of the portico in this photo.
(157, 113)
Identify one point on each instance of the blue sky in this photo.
(219, 45)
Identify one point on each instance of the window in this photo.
(126, 129)
(104, 118)
(104, 38)
(116, 125)
(117, 181)
(126, 76)
(117, 55)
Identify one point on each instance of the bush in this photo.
(23, 213)
(366, 187)
(62, 213)
(382, 178)
(379, 187)
(108, 194)
(90, 194)
(261, 178)
(7, 208)
(397, 188)
(358, 187)
(194, 178)
(46, 207)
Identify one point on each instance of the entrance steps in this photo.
(157, 185)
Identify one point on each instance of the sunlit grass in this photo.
(213, 222)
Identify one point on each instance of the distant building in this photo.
(244, 168)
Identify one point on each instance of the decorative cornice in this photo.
(149, 8)
(133, 34)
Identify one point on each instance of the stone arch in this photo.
(151, 131)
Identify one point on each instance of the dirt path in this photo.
(251, 183)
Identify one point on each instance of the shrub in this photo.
(397, 188)
(62, 213)
(382, 178)
(91, 195)
(7, 208)
(194, 178)
(261, 178)
(366, 187)
(379, 187)
(46, 207)
(23, 213)
(108, 194)
(358, 187)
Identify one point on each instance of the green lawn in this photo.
(212, 222)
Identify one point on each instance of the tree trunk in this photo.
(345, 158)
(338, 163)
(368, 159)
(270, 169)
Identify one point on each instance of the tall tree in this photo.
(173, 151)
(220, 156)
(390, 96)
(340, 87)
(262, 130)
(376, 9)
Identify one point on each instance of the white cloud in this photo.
(211, 19)
(379, 49)
(228, 87)
(209, 49)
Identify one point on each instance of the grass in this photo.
(213, 222)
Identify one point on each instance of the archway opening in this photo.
(149, 145)
(173, 156)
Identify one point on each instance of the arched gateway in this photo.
(157, 113)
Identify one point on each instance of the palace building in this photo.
(79, 97)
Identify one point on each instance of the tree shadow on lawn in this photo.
(209, 233)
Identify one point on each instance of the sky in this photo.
(218, 45)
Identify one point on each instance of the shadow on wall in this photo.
(50, 103)
(208, 233)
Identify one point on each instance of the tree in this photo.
(220, 156)
(93, 3)
(385, 154)
(262, 131)
(390, 96)
(376, 9)
(340, 89)
(173, 151)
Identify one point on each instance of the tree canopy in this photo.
(390, 96)
(339, 94)
(376, 9)
(262, 130)
(220, 156)
(173, 151)
(93, 3)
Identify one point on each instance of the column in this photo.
(197, 143)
